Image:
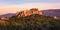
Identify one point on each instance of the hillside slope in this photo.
(32, 22)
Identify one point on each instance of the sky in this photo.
(12, 6)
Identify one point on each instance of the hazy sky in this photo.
(12, 6)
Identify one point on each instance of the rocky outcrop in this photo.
(28, 12)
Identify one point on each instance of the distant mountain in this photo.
(52, 12)
(8, 15)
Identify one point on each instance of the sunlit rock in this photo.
(29, 12)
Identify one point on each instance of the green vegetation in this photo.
(32, 22)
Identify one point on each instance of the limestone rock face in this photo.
(29, 12)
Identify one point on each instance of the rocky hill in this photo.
(29, 12)
(31, 19)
